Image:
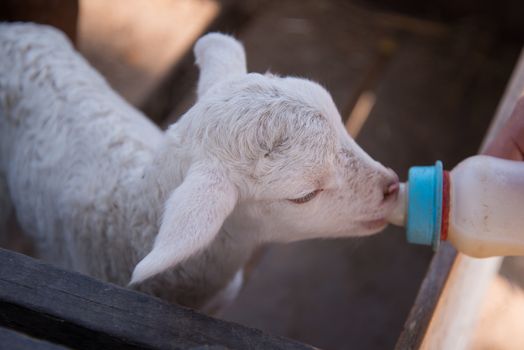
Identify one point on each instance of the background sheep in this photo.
(257, 159)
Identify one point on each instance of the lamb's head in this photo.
(268, 155)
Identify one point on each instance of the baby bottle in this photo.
(478, 206)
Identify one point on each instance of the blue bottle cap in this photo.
(424, 212)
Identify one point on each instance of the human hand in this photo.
(508, 143)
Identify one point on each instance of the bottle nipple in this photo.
(398, 215)
(419, 205)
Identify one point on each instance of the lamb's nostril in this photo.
(391, 189)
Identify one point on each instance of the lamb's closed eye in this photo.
(306, 198)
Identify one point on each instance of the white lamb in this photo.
(103, 191)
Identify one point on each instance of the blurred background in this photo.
(415, 81)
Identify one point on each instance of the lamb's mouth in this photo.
(375, 225)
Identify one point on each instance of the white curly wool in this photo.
(102, 190)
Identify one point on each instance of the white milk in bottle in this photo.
(478, 206)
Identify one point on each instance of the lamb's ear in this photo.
(193, 215)
(219, 57)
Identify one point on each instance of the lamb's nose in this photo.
(391, 187)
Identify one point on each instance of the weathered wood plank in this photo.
(79, 311)
(12, 340)
(444, 313)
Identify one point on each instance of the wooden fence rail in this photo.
(77, 311)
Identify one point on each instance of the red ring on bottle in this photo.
(445, 206)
